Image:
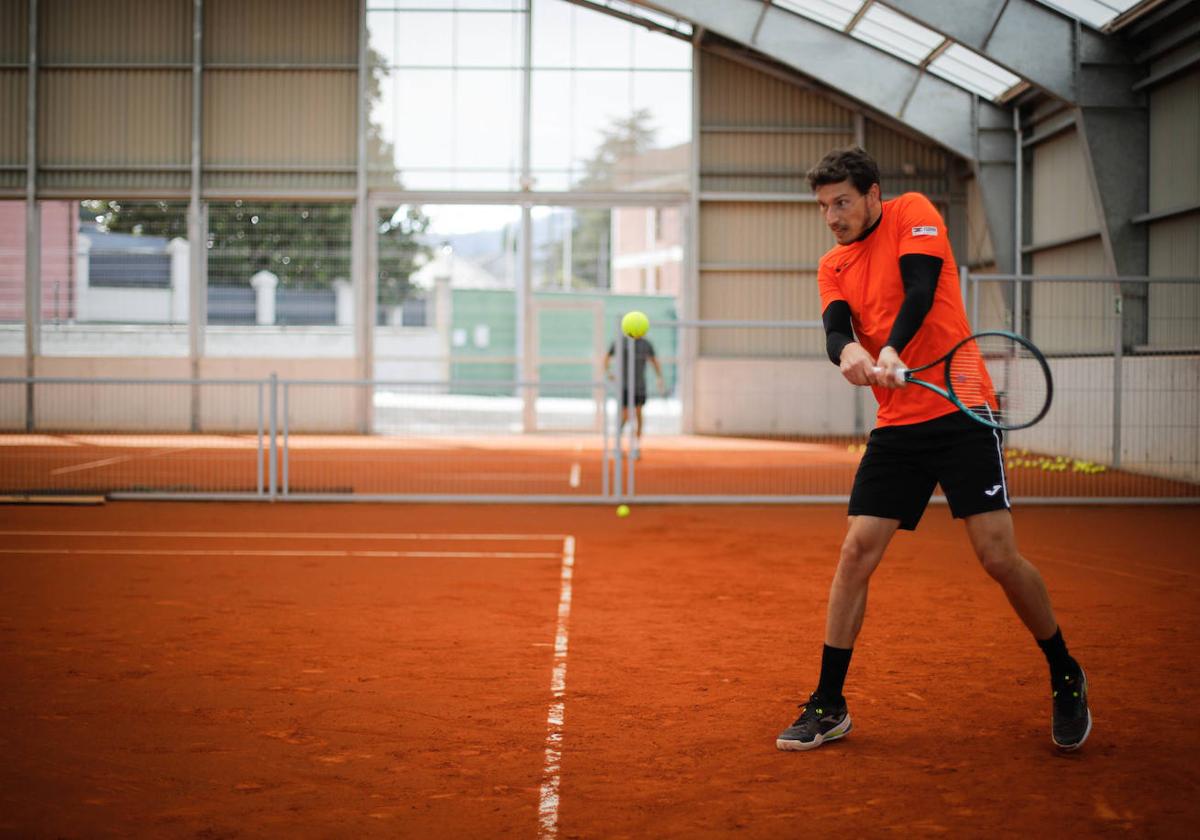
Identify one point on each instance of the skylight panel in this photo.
(834, 13)
(896, 34)
(1094, 12)
(643, 13)
(973, 72)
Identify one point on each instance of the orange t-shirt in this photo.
(866, 274)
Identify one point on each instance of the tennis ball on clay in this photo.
(635, 324)
(622, 510)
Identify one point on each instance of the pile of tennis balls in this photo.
(1021, 458)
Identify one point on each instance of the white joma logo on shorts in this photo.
(993, 491)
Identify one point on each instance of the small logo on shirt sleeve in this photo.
(925, 230)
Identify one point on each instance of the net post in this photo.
(273, 419)
(630, 391)
(259, 459)
(285, 451)
(618, 453)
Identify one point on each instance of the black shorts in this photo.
(639, 398)
(903, 464)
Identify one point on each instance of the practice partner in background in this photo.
(890, 297)
(643, 351)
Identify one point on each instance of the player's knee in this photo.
(999, 559)
(857, 560)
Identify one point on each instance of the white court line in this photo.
(233, 552)
(574, 480)
(275, 535)
(548, 803)
(118, 459)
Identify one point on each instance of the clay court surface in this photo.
(293, 670)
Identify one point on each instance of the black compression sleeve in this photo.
(919, 274)
(838, 330)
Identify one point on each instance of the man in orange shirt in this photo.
(890, 287)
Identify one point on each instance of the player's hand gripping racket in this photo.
(996, 378)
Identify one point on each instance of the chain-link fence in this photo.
(718, 411)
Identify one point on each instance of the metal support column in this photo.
(197, 228)
(362, 232)
(526, 374)
(689, 340)
(1118, 385)
(1018, 220)
(33, 224)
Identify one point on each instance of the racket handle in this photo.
(899, 373)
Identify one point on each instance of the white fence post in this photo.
(83, 248)
(343, 302)
(264, 284)
(180, 251)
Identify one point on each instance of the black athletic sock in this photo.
(1061, 663)
(835, 662)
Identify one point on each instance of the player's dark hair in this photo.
(846, 164)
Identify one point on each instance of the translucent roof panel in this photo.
(896, 34)
(1095, 12)
(967, 69)
(633, 10)
(835, 13)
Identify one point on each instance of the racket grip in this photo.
(899, 373)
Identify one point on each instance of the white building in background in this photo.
(647, 242)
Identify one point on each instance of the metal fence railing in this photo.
(103, 435)
(1125, 355)
(747, 411)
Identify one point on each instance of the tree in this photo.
(623, 141)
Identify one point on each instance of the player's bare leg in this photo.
(995, 543)
(862, 549)
(825, 716)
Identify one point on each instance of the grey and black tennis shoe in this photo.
(818, 722)
(1071, 720)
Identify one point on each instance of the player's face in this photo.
(847, 211)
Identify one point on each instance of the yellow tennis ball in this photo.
(635, 324)
(622, 510)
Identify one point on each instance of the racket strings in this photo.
(1000, 379)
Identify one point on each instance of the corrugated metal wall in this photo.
(297, 32)
(1174, 161)
(14, 30)
(1175, 183)
(280, 93)
(981, 251)
(12, 132)
(274, 118)
(1062, 203)
(760, 232)
(115, 32)
(907, 165)
(1062, 207)
(115, 96)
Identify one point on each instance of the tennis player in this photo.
(890, 297)
(643, 351)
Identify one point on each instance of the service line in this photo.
(548, 803)
(283, 552)
(286, 535)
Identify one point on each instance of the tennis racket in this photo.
(996, 378)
